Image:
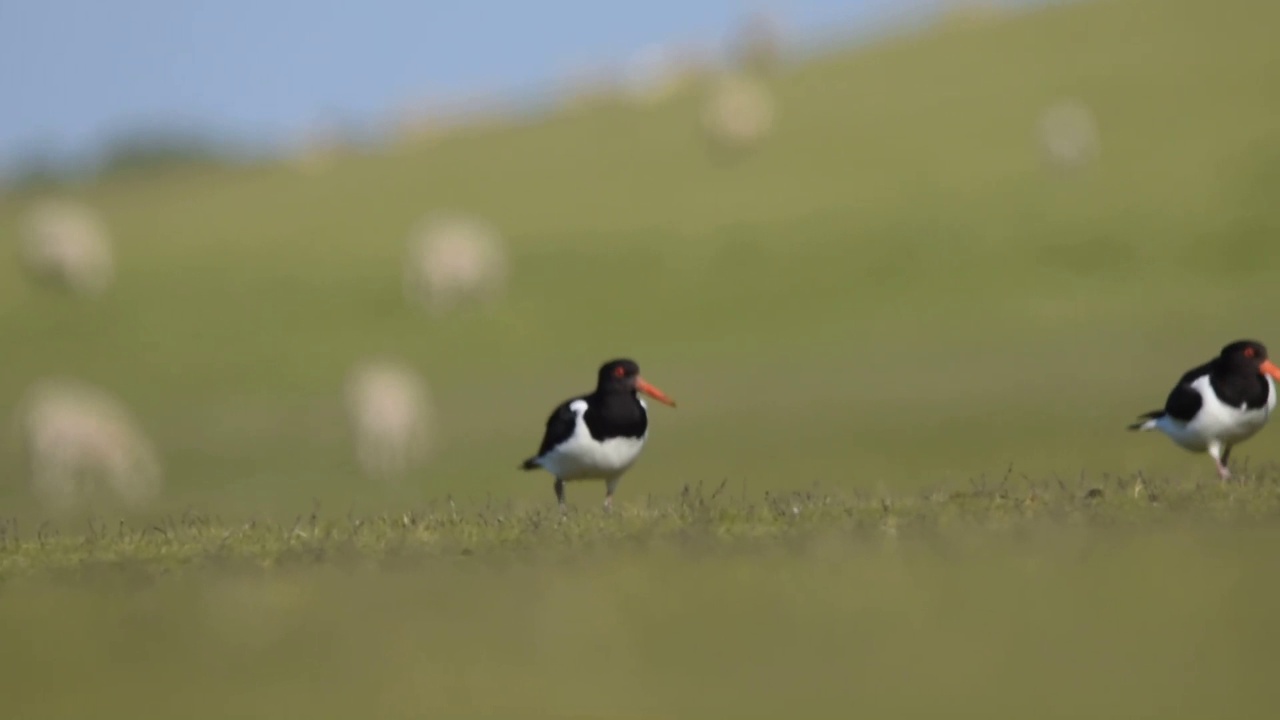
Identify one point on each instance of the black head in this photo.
(623, 375)
(620, 372)
(1249, 354)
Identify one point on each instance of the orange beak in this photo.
(661, 397)
(1270, 368)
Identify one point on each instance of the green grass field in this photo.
(896, 296)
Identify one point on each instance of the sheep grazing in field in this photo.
(81, 440)
(67, 244)
(453, 260)
(389, 406)
(739, 113)
(1069, 134)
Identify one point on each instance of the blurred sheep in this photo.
(453, 260)
(739, 112)
(389, 407)
(79, 440)
(67, 244)
(1069, 134)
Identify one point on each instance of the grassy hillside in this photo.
(896, 290)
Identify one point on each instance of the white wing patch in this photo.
(582, 457)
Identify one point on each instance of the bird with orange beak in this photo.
(598, 436)
(1220, 404)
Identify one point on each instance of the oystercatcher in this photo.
(1220, 404)
(600, 435)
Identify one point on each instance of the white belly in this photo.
(1217, 422)
(582, 457)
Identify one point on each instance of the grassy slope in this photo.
(893, 292)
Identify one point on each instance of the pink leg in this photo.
(610, 485)
(1223, 472)
(1219, 461)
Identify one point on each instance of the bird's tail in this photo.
(1147, 421)
(530, 464)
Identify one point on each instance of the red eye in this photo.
(1249, 352)
(619, 371)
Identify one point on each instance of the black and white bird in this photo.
(598, 436)
(1220, 404)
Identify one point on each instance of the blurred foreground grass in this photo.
(1014, 601)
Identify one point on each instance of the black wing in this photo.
(560, 427)
(1184, 401)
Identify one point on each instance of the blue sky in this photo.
(75, 71)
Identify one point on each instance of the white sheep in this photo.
(68, 244)
(1069, 134)
(79, 440)
(452, 260)
(739, 112)
(389, 407)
